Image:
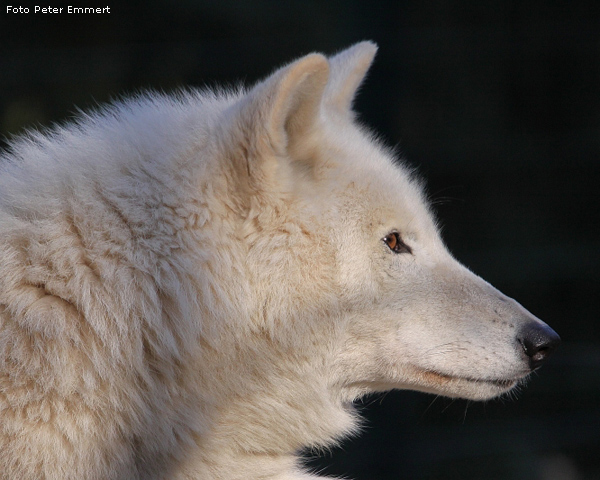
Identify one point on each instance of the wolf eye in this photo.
(395, 243)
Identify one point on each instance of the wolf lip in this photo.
(501, 383)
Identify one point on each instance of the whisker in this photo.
(449, 405)
(468, 404)
(430, 405)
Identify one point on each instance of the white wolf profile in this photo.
(197, 286)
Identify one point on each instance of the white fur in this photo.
(196, 287)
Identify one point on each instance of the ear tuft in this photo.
(348, 70)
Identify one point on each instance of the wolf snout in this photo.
(538, 341)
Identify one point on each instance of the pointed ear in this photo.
(348, 70)
(287, 104)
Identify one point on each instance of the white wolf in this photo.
(197, 286)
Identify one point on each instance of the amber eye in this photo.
(395, 243)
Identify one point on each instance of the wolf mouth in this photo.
(503, 384)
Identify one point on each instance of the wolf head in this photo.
(201, 284)
(342, 244)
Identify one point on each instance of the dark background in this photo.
(496, 103)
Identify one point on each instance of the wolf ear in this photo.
(286, 105)
(348, 70)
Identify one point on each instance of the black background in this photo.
(498, 106)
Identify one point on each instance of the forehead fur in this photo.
(371, 183)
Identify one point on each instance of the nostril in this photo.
(539, 341)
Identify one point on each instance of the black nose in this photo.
(539, 341)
